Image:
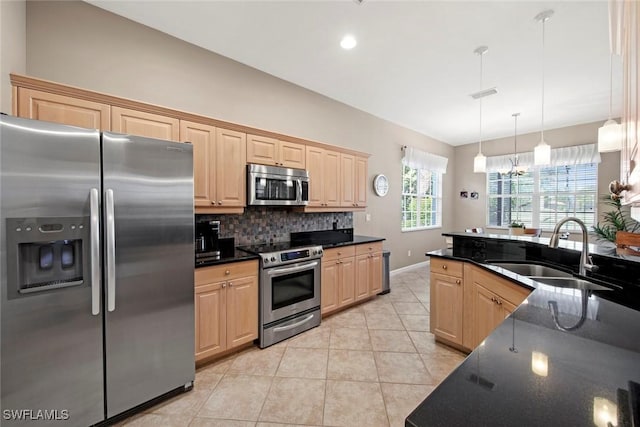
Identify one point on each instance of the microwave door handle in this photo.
(299, 189)
(288, 270)
(95, 251)
(111, 252)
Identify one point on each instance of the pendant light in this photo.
(542, 152)
(516, 169)
(610, 134)
(480, 161)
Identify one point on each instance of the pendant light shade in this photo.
(610, 137)
(542, 154)
(610, 134)
(480, 161)
(542, 151)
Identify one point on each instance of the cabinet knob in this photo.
(227, 272)
(458, 282)
(224, 285)
(444, 267)
(230, 284)
(219, 202)
(213, 202)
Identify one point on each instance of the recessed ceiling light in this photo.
(348, 42)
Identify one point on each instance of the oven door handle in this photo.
(279, 271)
(293, 325)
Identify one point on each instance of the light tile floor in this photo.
(368, 366)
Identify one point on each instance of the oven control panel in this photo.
(290, 256)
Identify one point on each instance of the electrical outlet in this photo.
(368, 217)
(409, 252)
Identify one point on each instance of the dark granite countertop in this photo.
(503, 382)
(357, 240)
(236, 256)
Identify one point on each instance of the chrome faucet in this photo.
(585, 259)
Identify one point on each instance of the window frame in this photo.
(537, 194)
(437, 197)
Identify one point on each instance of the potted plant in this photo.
(516, 228)
(615, 220)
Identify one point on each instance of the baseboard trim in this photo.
(409, 268)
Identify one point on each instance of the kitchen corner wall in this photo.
(472, 213)
(13, 39)
(81, 45)
(259, 225)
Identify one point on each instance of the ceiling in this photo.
(414, 64)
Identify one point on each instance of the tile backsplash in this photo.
(260, 224)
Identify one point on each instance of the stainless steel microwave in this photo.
(276, 186)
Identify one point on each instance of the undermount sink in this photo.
(570, 282)
(533, 270)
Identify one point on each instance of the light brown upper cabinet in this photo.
(324, 174)
(361, 181)
(133, 122)
(347, 179)
(50, 107)
(273, 152)
(219, 159)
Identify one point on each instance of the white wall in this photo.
(12, 47)
(81, 45)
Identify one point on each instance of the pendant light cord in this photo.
(610, 84)
(542, 115)
(480, 125)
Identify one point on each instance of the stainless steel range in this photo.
(289, 290)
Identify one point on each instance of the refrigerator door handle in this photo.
(95, 252)
(111, 252)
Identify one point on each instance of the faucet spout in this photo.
(585, 261)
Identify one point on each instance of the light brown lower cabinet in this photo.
(350, 274)
(468, 302)
(226, 307)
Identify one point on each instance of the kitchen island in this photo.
(529, 371)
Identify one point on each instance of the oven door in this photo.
(289, 290)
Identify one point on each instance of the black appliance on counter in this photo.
(207, 241)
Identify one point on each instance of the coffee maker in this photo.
(207, 241)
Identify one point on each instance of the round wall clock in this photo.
(381, 185)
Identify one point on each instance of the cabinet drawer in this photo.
(341, 252)
(217, 273)
(445, 266)
(369, 248)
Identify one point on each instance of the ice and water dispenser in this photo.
(47, 254)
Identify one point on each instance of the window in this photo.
(421, 198)
(542, 196)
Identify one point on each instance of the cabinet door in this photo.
(262, 150)
(132, 122)
(231, 175)
(347, 274)
(292, 155)
(315, 168)
(49, 107)
(375, 271)
(347, 179)
(242, 310)
(211, 325)
(446, 307)
(361, 182)
(487, 313)
(362, 276)
(329, 286)
(203, 139)
(331, 174)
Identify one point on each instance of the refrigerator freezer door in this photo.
(51, 340)
(149, 328)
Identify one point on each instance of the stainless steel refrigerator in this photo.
(97, 310)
